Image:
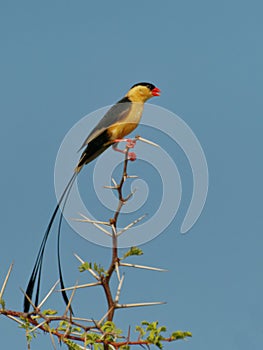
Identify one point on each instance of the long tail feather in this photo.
(64, 294)
(36, 273)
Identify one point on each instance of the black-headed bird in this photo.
(119, 121)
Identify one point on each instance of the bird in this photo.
(119, 121)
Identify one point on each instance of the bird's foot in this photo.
(130, 143)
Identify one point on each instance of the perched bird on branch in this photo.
(119, 121)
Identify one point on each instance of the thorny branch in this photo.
(115, 259)
(89, 331)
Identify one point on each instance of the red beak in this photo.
(156, 91)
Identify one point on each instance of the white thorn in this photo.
(70, 301)
(15, 319)
(52, 338)
(131, 224)
(95, 223)
(139, 304)
(30, 301)
(143, 267)
(119, 289)
(110, 187)
(117, 270)
(103, 317)
(147, 141)
(80, 286)
(112, 347)
(86, 219)
(130, 195)
(103, 229)
(6, 280)
(82, 319)
(79, 258)
(48, 294)
(114, 182)
(39, 325)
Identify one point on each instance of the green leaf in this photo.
(125, 347)
(133, 251)
(76, 329)
(63, 325)
(29, 337)
(180, 335)
(152, 326)
(49, 312)
(84, 267)
(140, 330)
(161, 329)
(98, 346)
(2, 303)
(98, 268)
(71, 345)
(91, 338)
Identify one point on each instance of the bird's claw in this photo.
(130, 143)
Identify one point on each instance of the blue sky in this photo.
(61, 60)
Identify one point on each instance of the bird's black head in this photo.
(141, 92)
(148, 85)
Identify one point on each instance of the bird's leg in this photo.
(130, 143)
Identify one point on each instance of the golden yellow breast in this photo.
(125, 126)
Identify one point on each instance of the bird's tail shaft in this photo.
(36, 273)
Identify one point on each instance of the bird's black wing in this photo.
(115, 114)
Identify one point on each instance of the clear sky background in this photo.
(61, 60)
